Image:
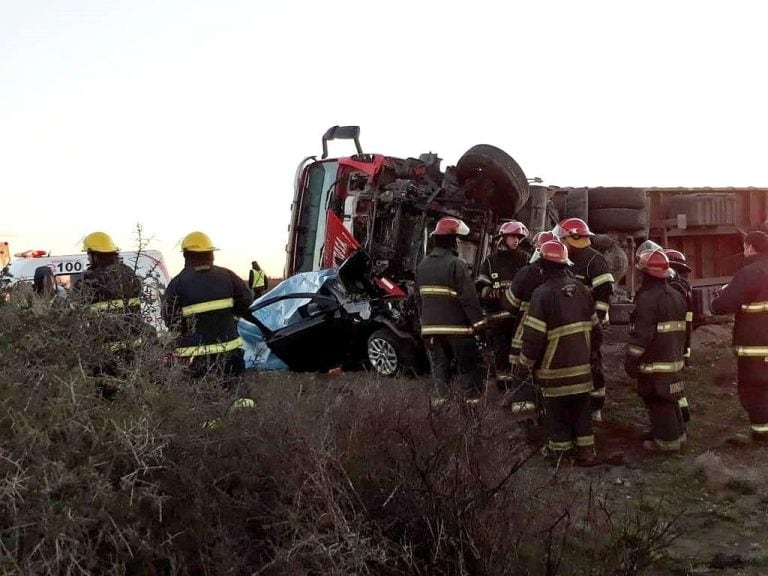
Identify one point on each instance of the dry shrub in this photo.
(110, 465)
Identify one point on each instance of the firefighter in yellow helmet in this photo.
(201, 304)
(112, 289)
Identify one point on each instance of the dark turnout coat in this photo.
(202, 303)
(747, 298)
(447, 300)
(658, 327)
(560, 329)
(591, 268)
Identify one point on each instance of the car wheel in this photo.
(509, 181)
(616, 198)
(386, 352)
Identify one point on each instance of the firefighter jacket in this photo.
(517, 299)
(657, 333)
(560, 330)
(747, 297)
(496, 274)
(201, 302)
(681, 284)
(114, 290)
(591, 268)
(447, 299)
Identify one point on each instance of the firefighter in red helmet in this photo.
(679, 282)
(496, 274)
(747, 297)
(560, 329)
(591, 268)
(654, 354)
(517, 298)
(450, 313)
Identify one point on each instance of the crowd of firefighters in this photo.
(544, 315)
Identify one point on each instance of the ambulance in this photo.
(148, 265)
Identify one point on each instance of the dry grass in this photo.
(326, 476)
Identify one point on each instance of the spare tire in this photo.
(618, 261)
(604, 197)
(510, 186)
(617, 220)
(577, 203)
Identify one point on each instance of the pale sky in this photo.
(184, 115)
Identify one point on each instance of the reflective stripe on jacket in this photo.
(497, 272)
(517, 299)
(747, 297)
(658, 331)
(446, 298)
(558, 335)
(202, 303)
(591, 268)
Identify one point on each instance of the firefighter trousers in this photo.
(753, 393)
(568, 420)
(503, 331)
(598, 380)
(456, 355)
(660, 393)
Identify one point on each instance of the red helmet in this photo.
(655, 263)
(554, 251)
(677, 260)
(573, 227)
(450, 226)
(541, 237)
(513, 228)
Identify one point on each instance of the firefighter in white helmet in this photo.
(450, 312)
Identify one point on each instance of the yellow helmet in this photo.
(99, 242)
(197, 242)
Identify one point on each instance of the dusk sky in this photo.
(184, 115)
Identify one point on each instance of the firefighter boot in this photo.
(586, 456)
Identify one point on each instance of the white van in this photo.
(148, 265)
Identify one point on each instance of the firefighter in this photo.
(257, 280)
(654, 353)
(517, 298)
(111, 290)
(591, 268)
(496, 274)
(201, 303)
(561, 329)
(679, 282)
(450, 313)
(747, 297)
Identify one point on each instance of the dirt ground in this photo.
(719, 483)
(717, 488)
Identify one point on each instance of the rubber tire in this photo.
(577, 204)
(402, 350)
(617, 220)
(618, 261)
(600, 198)
(508, 178)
